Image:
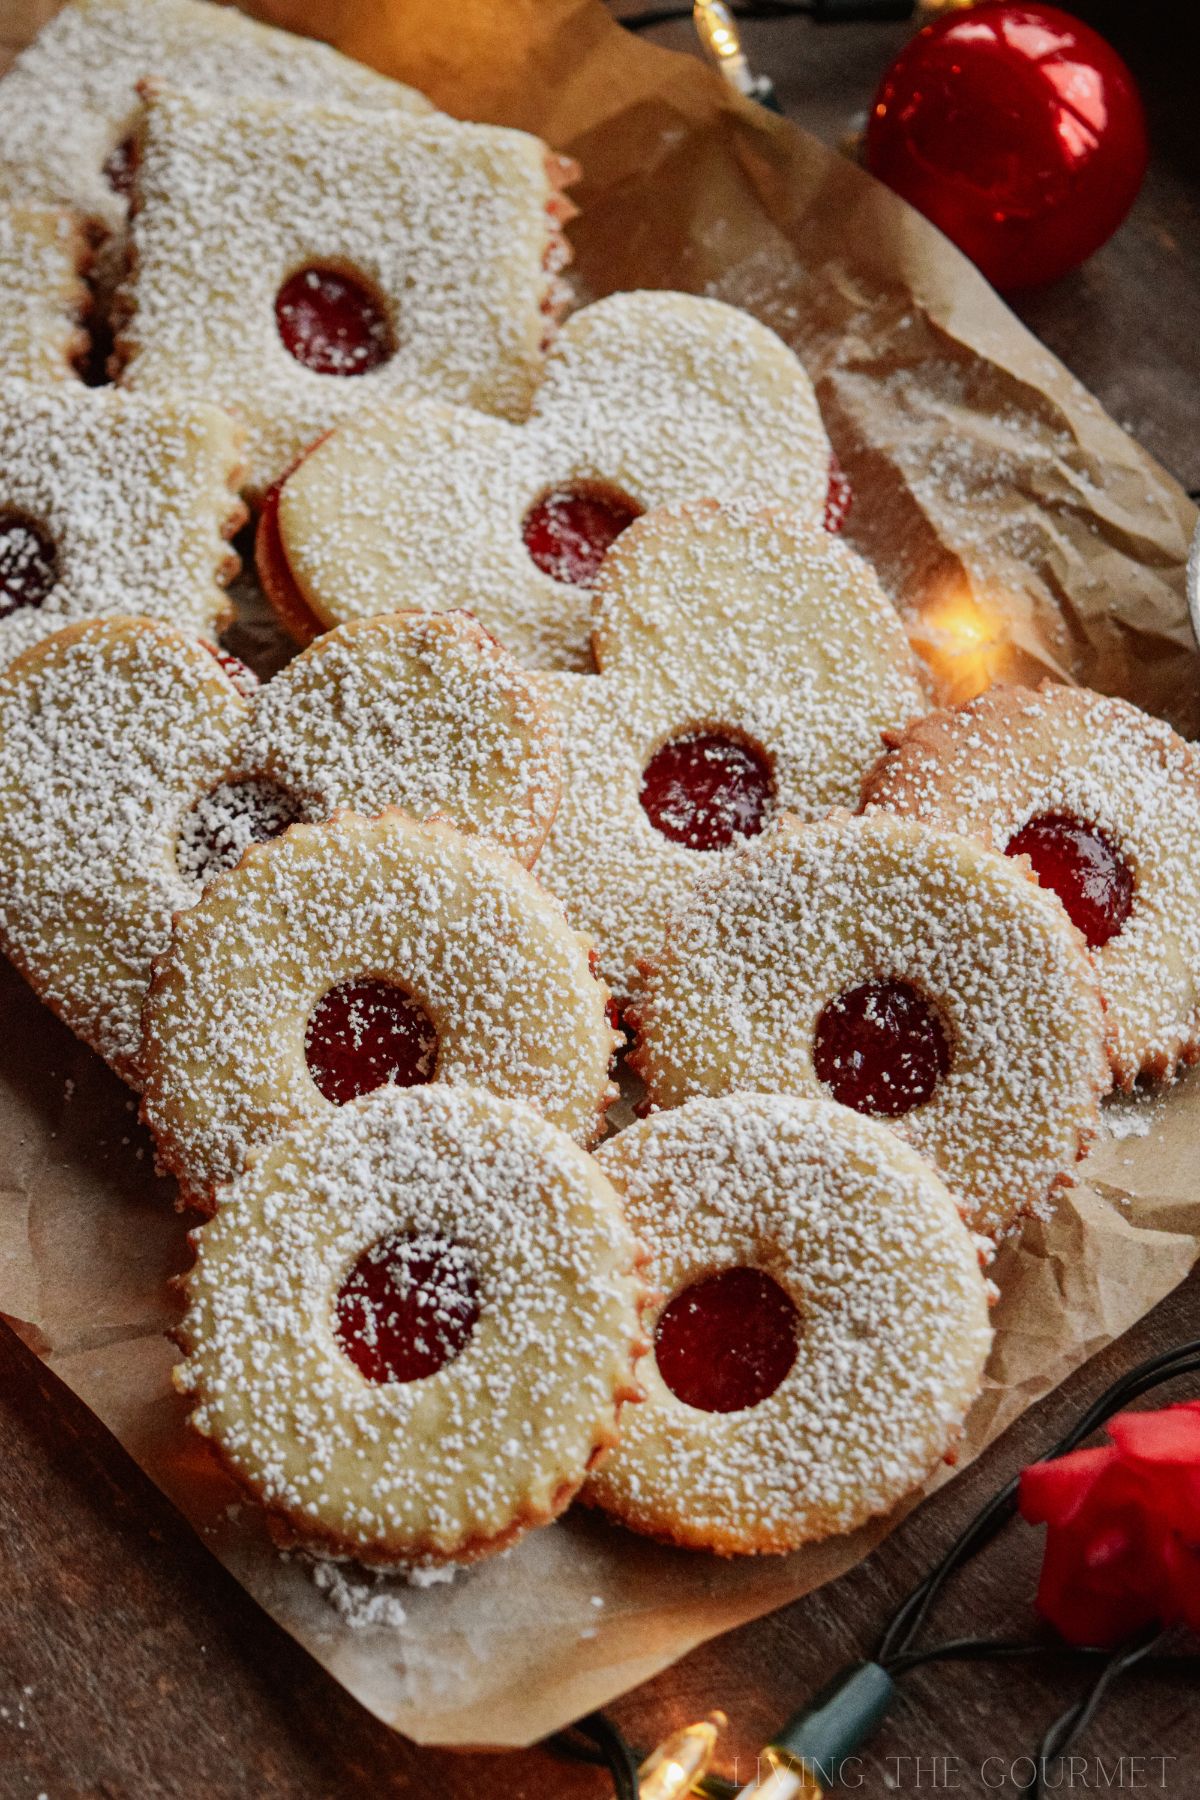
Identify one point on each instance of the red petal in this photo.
(1169, 1436)
(1052, 1493)
(1181, 1568)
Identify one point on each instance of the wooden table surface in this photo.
(132, 1665)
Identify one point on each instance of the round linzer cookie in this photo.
(68, 104)
(646, 398)
(132, 769)
(412, 1325)
(1104, 801)
(349, 257)
(358, 952)
(819, 1332)
(748, 663)
(907, 972)
(44, 256)
(110, 503)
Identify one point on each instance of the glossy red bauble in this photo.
(1018, 131)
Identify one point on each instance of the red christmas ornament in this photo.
(1018, 131)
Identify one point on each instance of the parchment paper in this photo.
(985, 477)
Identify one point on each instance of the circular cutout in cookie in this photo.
(332, 322)
(407, 1308)
(569, 531)
(707, 788)
(1084, 868)
(881, 1048)
(366, 1034)
(221, 827)
(28, 563)
(726, 1342)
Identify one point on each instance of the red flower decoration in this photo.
(1123, 1538)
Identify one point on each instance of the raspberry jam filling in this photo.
(569, 530)
(705, 789)
(221, 827)
(242, 676)
(119, 166)
(881, 1048)
(407, 1307)
(839, 496)
(726, 1343)
(1084, 868)
(368, 1034)
(28, 564)
(275, 573)
(332, 323)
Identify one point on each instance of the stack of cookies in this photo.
(600, 738)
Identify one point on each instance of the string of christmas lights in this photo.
(801, 1760)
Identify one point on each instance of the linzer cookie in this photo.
(819, 1331)
(411, 1326)
(68, 104)
(748, 663)
(1104, 801)
(113, 503)
(132, 769)
(349, 257)
(906, 971)
(44, 255)
(646, 398)
(358, 952)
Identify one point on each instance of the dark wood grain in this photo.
(132, 1666)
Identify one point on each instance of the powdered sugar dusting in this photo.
(69, 98)
(425, 713)
(457, 1464)
(662, 397)
(461, 928)
(1016, 753)
(42, 294)
(736, 618)
(136, 496)
(362, 1604)
(450, 225)
(817, 909)
(131, 770)
(892, 1311)
(108, 734)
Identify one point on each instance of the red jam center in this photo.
(1085, 869)
(242, 676)
(881, 1048)
(368, 1034)
(726, 1342)
(28, 564)
(568, 531)
(119, 166)
(407, 1307)
(839, 496)
(332, 323)
(221, 827)
(703, 790)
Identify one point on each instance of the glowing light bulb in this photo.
(963, 638)
(781, 1778)
(719, 37)
(679, 1762)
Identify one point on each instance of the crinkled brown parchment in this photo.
(987, 479)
